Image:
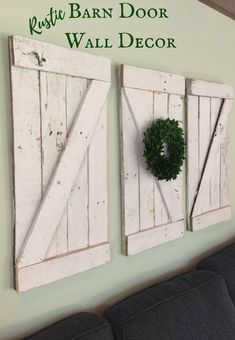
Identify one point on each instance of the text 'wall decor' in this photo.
(152, 209)
(60, 161)
(208, 109)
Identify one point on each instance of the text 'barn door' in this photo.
(152, 210)
(208, 110)
(60, 161)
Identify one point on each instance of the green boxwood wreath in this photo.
(164, 148)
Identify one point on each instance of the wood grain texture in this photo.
(59, 190)
(207, 136)
(61, 267)
(42, 56)
(60, 163)
(145, 79)
(148, 204)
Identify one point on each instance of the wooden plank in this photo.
(211, 218)
(148, 239)
(141, 107)
(53, 134)
(224, 156)
(42, 56)
(145, 79)
(207, 89)
(97, 179)
(192, 150)
(27, 150)
(61, 267)
(78, 201)
(226, 7)
(130, 170)
(206, 176)
(203, 204)
(59, 189)
(172, 190)
(160, 104)
(216, 104)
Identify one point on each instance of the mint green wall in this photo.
(206, 50)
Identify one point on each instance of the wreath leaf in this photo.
(164, 148)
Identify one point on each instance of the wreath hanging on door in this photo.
(164, 148)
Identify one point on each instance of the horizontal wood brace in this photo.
(150, 238)
(63, 266)
(32, 54)
(210, 218)
(208, 89)
(151, 80)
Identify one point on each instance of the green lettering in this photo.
(32, 24)
(74, 9)
(163, 13)
(124, 7)
(74, 39)
(128, 41)
(171, 43)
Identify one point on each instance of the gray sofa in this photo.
(199, 305)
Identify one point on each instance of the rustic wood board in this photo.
(208, 108)
(60, 161)
(152, 210)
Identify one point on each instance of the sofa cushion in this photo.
(193, 306)
(223, 263)
(83, 326)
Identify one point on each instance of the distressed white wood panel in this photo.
(27, 141)
(192, 150)
(130, 169)
(172, 190)
(61, 119)
(224, 165)
(216, 104)
(78, 201)
(208, 89)
(148, 239)
(141, 106)
(53, 134)
(97, 183)
(42, 56)
(210, 218)
(161, 216)
(148, 95)
(144, 79)
(61, 267)
(59, 189)
(205, 205)
(204, 140)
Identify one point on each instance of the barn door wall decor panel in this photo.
(208, 110)
(152, 210)
(60, 161)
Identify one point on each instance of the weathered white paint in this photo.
(97, 183)
(59, 190)
(207, 131)
(148, 204)
(209, 89)
(148, 239)
(60, 167)
(27, 141)
(210, 218)
(53, 136)
(61, 267)
(42, 56)
(78, 228)
(151, 80)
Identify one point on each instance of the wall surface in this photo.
(205, 50)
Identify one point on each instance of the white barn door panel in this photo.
(60, 161)
(152, 210)
(208, 110)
